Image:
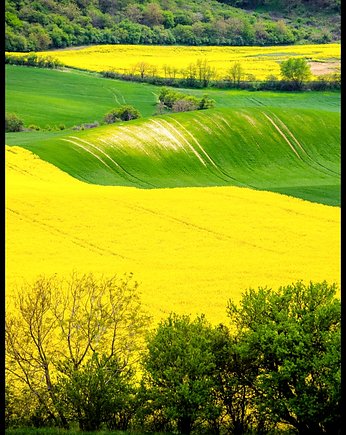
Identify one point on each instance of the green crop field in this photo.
(262, 140)
(51, 97)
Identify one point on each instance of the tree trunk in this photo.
(185, 425)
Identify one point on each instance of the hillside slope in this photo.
(268, 149)
(43, 24)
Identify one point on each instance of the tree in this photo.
(292, 335)
(235, 395)
(38, 38)
(57, 329)
(98, 392)
(142, 68)
(168, 96)
(236, 72)
(179, 368)
(295, 70)
(152, 15)
(205, 72)
(134, 13)
(206, 103)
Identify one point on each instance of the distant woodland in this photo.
(43, 24)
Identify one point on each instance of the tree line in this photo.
(43, 24)
(295, 75)
(83, 350)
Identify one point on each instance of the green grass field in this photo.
(51, 97)
(282, 142)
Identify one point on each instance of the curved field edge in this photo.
(191, 249)
(295, 152)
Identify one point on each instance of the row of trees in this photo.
(33, 59)
(42, 24)
(77, 351)
(295, 74)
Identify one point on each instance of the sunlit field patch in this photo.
(258, 61)
(191, 249)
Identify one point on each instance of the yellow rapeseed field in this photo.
(191, 249)
(258, 61)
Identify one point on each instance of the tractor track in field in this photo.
(117, 165)
(216, 234)
(261, 203)
(312, 161)
(81, 242)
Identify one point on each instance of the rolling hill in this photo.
(261, 140)
(268, 149)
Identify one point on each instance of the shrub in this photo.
(183, 105)
(179, 102)
(123, 113)
(206, 103)
(34, 127)
(13, 123)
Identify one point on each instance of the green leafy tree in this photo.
(168, 96)
(235, 395)
(97, 392)
(179, 368)
(168, 19)
(295, 70)
(292, 336)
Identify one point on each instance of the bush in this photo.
(179, 102)
(183, 105)
(206, 103)
(13, 123)
(34, 127)
(123, 113)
